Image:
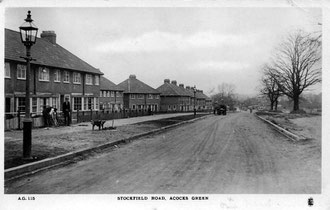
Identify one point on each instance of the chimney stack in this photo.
(49, 36)
(166, 81)
(188, 87)
(174, 82)
(181, 85)
(132, 76)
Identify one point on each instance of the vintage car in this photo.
(220, 109)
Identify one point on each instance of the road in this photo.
(236, 153)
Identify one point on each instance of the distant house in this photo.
(198, 98)
(174, 97)
(139, 96)
(55, 74)
(208, 103)
(111, 96)
(201, 100)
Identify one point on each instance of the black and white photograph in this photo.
(198, 105)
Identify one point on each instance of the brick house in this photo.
(174, 97)
(139, 96)
(200, 99)
(55, 74)
(111, 96)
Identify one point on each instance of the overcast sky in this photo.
(195, 46)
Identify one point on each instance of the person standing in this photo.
(66, 111)
(46, 116)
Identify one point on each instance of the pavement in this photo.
(16, 135)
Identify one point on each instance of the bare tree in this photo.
(270, 88)
(225, 95)
(296, 65)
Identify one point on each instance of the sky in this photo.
(199, 46)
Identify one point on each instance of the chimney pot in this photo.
(181, 85)
(174, 82)
(132, 76)
(166, 80)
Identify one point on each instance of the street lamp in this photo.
(194, 100)
(28, 33)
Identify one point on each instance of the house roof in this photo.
(106, 84)
(133, 85)
(199, 94)
(45, 53)
(168, 89)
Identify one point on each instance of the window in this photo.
(157, 96)
(43, 74)
(54, 102)
(89, 103)
(140, 96)
(97, 80)
(76, 78)
(108, 93)
(133, 106)
(132, 96)
(34, 104)
(89, 79)
(119, 94)
(7, 70)
(21, 104)
(140, 106)
(21, 71)
(112, 93)
(66, 78)
(97, 103)
(77, 103)
(149, 96)
(57, 76)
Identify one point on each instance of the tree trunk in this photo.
(271, 105)
(296, 103)
(276, 103)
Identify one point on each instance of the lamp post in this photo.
(28, 34)
(194, 100)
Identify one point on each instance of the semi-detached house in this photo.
(173, 97)
(139, 96)
(55, 74)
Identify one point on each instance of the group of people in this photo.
(50, 114)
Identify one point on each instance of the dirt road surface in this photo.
(236, 153)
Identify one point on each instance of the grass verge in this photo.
(52, 145)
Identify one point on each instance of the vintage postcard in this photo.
(165, 104)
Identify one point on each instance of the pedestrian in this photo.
(66, 111)
(53, 115)
(46, 116)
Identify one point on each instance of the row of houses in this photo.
(58, 74)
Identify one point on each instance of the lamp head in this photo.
(28, 31)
